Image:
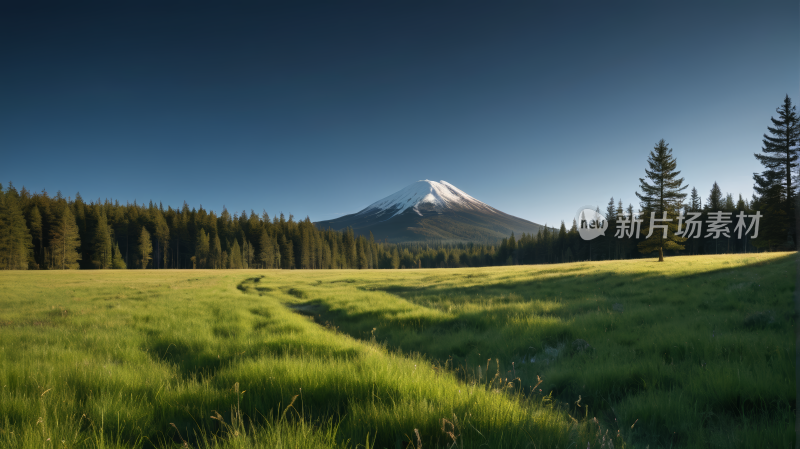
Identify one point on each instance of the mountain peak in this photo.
(424, 196)
(432, 210)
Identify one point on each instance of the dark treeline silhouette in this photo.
(39, 231)
(566, 245)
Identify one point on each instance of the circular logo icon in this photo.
(591, 223)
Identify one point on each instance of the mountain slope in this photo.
(429, 210)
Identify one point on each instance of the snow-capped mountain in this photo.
(431, 210)
(424, 196)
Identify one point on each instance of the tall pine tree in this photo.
(118, 261)
(236, 256)
(15, 239)
(695, 203)
(267, 254)
(102, 254)
(201, 250)
(661, 198)
(162, 238)
(715, 201)
(65, 241)
(35, 224)
(611, 218)
(145, 247)
(779, 158)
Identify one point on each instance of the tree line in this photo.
(566, 245)
(664, 212)
(663, 206)
(39, 231)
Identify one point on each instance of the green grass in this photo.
(696, 351)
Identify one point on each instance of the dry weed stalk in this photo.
(185, 444)
(539, 379)
(294, 398)
(454, 432)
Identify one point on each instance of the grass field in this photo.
(693, 352)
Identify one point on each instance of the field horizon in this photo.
(697, 351)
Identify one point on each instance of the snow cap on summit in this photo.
(425, 195)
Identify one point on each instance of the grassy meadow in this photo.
(693, 352)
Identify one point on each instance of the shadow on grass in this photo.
(726, 316)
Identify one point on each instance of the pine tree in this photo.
(350, 248)
(79, 212)
(276, 246)
(619, 242)
(562, 242)
(611, 218)
(661, 199)
(267, 254)
(774, 222)
(65, 241)
(374, 250)
(780, 154)
(395, 261)
(118, 262)
(201, 250)
(145, 247)
(305, 250)
(236, 255)
(37, 230)
(215, 253)
(729, 205)
(287, 253)
(102, 254)
(326, 257)
(695, 203)
(226, 260)
(248, 255)
(452, 261)
(15, 239)
(362, 254)
(630, 245)
(162, 238)
(715, 202)
(502, 253)
(512, 250)
(336, 255)
(741, 204)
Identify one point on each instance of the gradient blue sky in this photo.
(318, 109)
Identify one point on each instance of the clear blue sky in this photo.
(319, 109)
